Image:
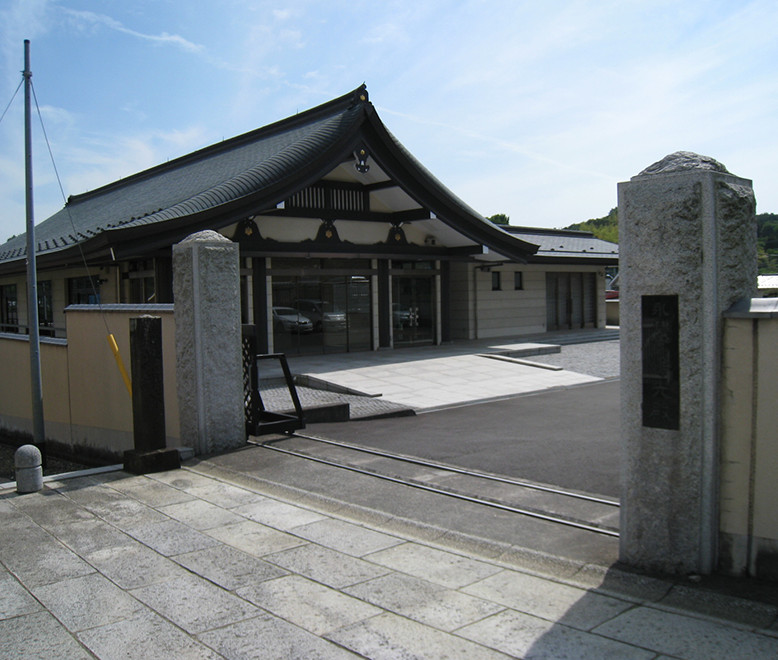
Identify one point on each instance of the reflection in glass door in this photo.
(413, 310)
(321, 314)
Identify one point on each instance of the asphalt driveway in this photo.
(567, 437)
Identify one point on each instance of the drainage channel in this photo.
(548, 503)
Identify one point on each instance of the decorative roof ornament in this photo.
(361, 156)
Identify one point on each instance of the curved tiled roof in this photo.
(254, 170)
(221, 174)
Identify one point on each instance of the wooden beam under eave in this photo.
(397, 217)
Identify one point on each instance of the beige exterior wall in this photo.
(612, 311)
(461, 318)
(749, 451)
(86, 405)
(507, 311)
(510, 311)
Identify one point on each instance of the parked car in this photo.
(288, 319)
(323, 314)
(612, 288)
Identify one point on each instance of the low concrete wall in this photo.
(612, 311)
(86, 406)
(749, 448)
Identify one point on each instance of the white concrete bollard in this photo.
(29, 473)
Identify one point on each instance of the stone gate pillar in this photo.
(687, 251)
(209, 369)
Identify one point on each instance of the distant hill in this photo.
(607, 228)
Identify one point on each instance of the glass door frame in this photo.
(412, 314)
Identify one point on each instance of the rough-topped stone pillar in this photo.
(209, 368)
(687, 251)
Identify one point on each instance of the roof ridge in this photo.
(357, 96)
(518, 229)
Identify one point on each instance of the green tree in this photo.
(605, 228)
(767, 242)
(499, 219)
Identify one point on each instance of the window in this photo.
(142, 282)
(9, 315)
(518, 280)
(83, 291)
(45, 308)
(496, 282)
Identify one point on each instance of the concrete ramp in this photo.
(443, 382)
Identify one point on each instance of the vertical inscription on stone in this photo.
(661, 388)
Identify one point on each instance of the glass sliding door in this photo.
(316, 312)
(413, 309)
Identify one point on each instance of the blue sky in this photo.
(534, 109)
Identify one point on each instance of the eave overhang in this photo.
(347, 124)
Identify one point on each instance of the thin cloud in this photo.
(111, 23)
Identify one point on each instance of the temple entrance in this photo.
(413, 309)
(319, 312)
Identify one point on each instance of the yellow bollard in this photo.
(120, 364)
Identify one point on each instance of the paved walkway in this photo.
(425, 379)
(188, 564)
(254, 554)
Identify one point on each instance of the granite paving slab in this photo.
(277, 514)
(346, 537)
(524, 636)
(50, 509)
(687, 637)
(747, 612)
(146, 636)
(329, 567)
(49, 562)
(200, 515)
(308, 604)
(92, 534)
(87, 602)
(150, 491)
(424, 601)
(390, 636)
(171, 537)
(114, 507)
(15, 600)
(194, 604)
(254, 538)
(134, 565)
(547, 599)
(252, 638)
(444, 568)
(229, 567)
(219, 493)
(38, 635)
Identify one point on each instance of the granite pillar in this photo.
(687, 251)
(209, 367)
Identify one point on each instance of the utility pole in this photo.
(39, 436)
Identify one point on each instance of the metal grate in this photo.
(259, 420)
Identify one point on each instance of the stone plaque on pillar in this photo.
(661, 389)
(150, 453)
(687, 251)
(209, 366)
